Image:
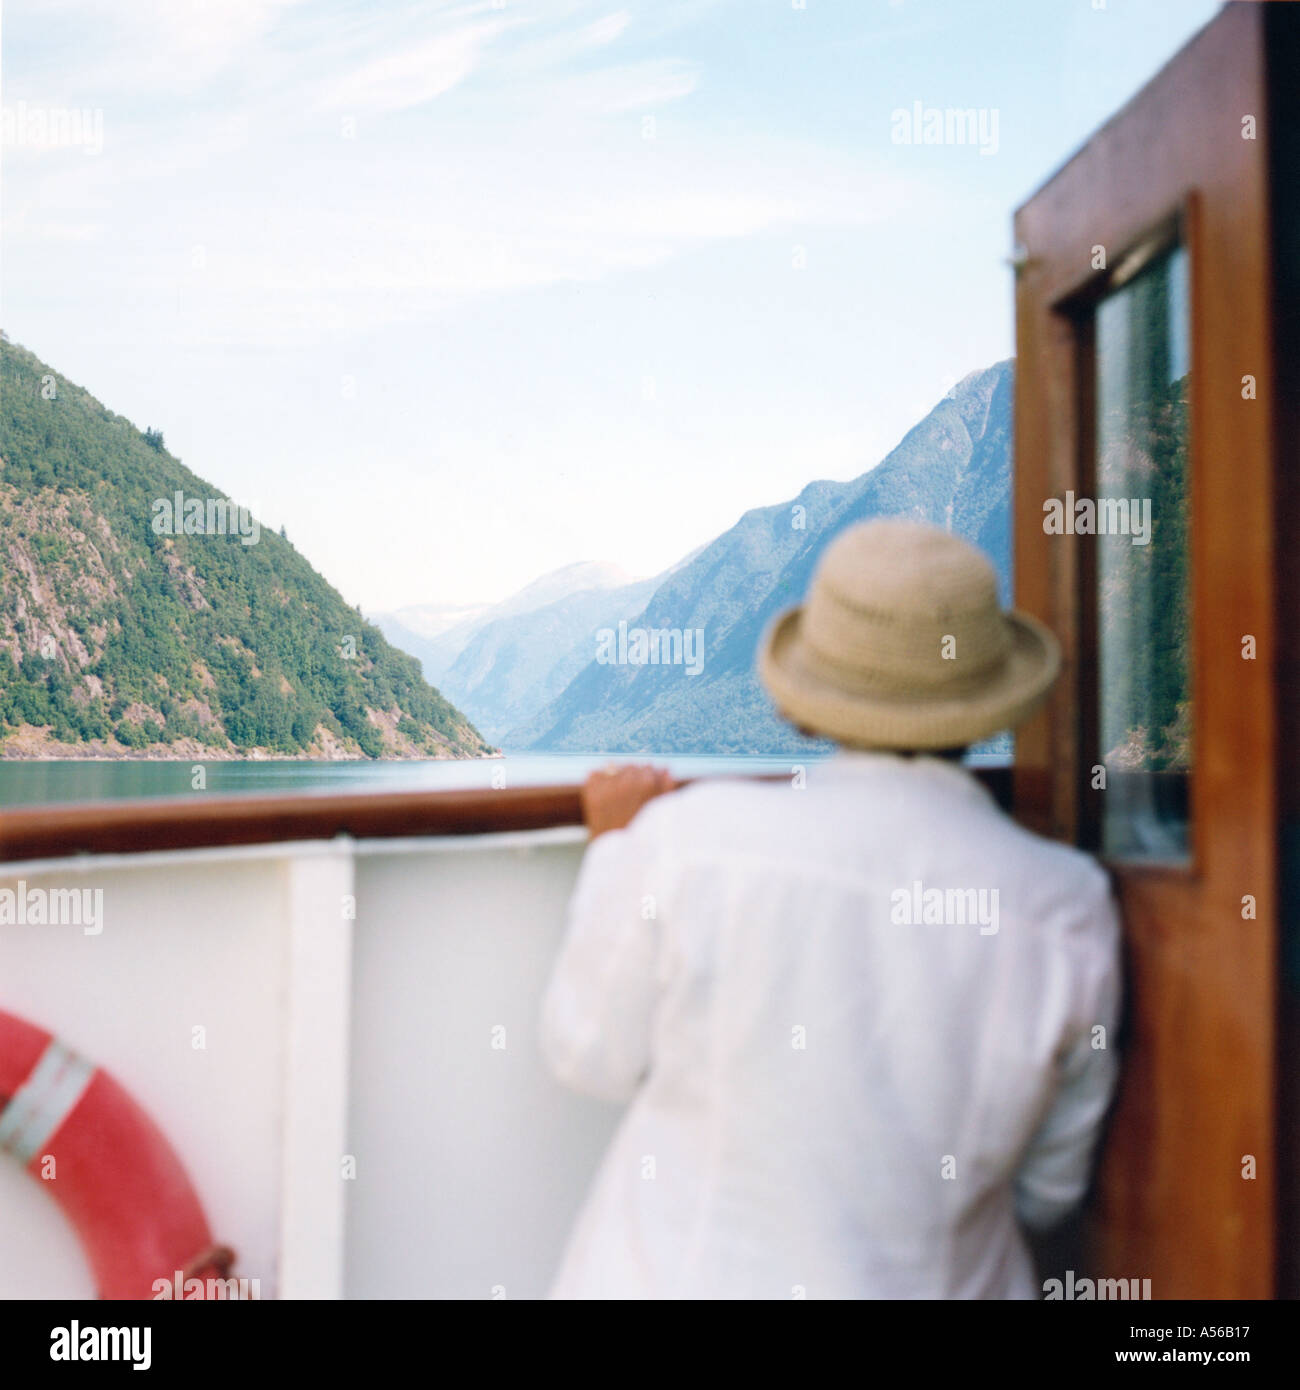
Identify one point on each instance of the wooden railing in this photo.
(136, 826)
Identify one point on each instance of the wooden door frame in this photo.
(1199, 1067)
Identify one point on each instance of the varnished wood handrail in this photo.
(125, 827)
(137, 826)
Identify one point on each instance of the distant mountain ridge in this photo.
(121, 637)
(437, 633)
(516, 664)
(953, 469)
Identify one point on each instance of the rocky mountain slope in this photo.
(953, 469)
(513, 666)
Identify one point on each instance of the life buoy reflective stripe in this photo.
(103, 1160)
(42, 1103)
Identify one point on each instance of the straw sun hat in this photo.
(902, 644)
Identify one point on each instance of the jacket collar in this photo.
(942, 772)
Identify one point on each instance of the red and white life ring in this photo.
(114, 1174)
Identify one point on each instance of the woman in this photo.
(864, 1024)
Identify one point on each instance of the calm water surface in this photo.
(34, 783)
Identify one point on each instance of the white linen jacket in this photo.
(842, 1083)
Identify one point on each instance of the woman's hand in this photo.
(613, 796)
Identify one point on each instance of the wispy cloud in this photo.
(280, 230)
(628, 87)
(412, 76)
(606, 29)
(145, 46)
(341, 257)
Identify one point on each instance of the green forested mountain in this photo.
(120, 632)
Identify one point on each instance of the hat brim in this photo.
(1012, 693)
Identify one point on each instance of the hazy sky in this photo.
(460, 293)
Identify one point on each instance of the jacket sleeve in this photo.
(598, 1007)
(1055, 1170)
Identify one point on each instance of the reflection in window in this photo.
(1143, 572)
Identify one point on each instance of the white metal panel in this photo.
(471, 1161)
(321, 908)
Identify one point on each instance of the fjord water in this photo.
(29, 783)
(32, 783)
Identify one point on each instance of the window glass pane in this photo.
(1143, 570)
